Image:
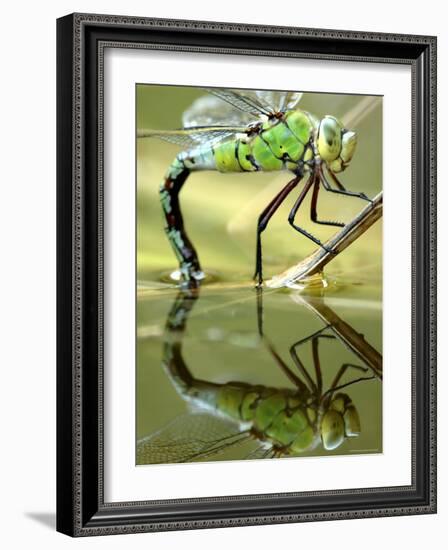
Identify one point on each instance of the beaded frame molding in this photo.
(81, 509)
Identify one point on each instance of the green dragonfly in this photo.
(259, 421)
(249, 131)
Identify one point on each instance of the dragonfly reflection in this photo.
(261, 421)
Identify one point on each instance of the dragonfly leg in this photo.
(336, 386)
(280, 363)
(341, 190)
(260, 311)
(313, 212)
(292, 376)
(311, 336)
(292, 214)
(183, 248)
(301, 368)
(343, 370)
(316, 361)
(263, 221)
(299, 364)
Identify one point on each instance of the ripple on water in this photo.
(175, 277)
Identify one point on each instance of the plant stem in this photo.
(352, 339)
(316, 261)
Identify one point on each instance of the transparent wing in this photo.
(261, 452)
(210, 110)
(224, 113)
(278, 101)
(192, 137)
(190, 438)
(257, 103)
(246, 101)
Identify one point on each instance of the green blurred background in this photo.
(220, 213)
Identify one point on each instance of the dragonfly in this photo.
(231, 130)
(257, 420)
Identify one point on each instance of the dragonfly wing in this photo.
(190, 438)
(278, 101)
(257, 103)
(192, 137)
(245, 101)
(224, 113)
(260, 452)
(291, 100)
(210, 110)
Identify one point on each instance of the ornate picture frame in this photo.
(81, 506)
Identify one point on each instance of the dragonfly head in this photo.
(335, 144)
(339, 421)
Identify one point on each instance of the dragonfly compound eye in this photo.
(332, 430)
(329, 141)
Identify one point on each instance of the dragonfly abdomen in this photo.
(169, 191)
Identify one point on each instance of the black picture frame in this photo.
(81, 39)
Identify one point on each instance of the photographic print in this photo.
(259, 274)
